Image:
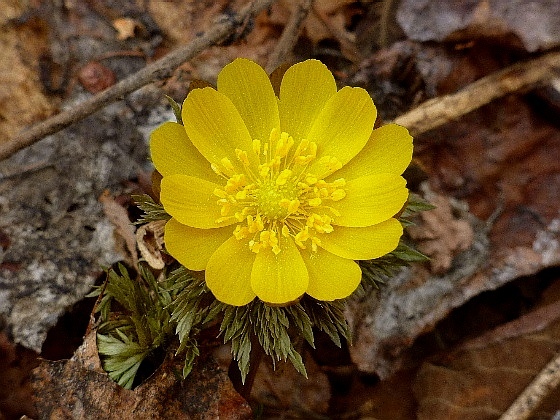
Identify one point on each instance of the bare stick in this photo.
(443, 109)
(289, 36)
(158, 70)
(546, 381)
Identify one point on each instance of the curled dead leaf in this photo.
(149, 238)
(118, 216)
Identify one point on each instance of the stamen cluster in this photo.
(279, 196)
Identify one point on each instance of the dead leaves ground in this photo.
(459, 338)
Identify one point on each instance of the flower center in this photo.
(279, 196)
(273, 200)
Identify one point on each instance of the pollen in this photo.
(277, 197)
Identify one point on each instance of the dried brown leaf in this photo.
(441, 234)
(150, 243)
(118, 216)
(480, 383)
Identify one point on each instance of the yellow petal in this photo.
(330, 276)
(363, 243)
(173, 153)
(388, 150)
(282, 278)
(228, 273)
(215, 127)
(306, 87)
(249, 88)
(370, 200)
(343, 127)
(193, 247)
(191, 201)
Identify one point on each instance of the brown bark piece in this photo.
(78, 389)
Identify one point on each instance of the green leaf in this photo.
(176, 109)
(152, 210)
(417, 204)
(127, 337)
(123, 358)
(408, 254)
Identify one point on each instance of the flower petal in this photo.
(228, 273)
(192, 201)
(173, 153)
(282, 278)
(363, 243)
(388, 150)
(249, 88)
(342, 128)
(215, 127)
(193, 247)
(306, 87)
(370, 200)
(330, 276)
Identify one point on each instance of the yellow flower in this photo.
(277, 196)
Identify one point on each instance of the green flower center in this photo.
(279, 196)
(271, 199)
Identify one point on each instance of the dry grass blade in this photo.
(546, 381)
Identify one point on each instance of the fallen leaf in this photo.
(149, 238)
(118, 216)
(441, 234)
(22, 101)
(482, 382)
(16, 362)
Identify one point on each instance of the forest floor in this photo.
(459, 337)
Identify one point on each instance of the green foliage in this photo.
(189, 307)
(257, 323)
(152, 313)
(127, 337)
(415, 205)
(176, 109)
(329, 318)
(152, 210)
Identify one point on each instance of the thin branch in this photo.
(290, 35)
(546, 381)
(518, 77)
(158, 70)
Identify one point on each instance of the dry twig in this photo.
(159, 70)
(518, 77)
(289, 36)
(546, 381)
